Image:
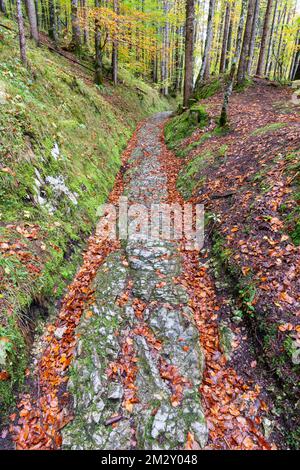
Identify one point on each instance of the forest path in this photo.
(139, 329)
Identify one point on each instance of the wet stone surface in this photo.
(163, 337)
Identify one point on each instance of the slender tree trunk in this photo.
(278, 64)
(244, 59)
(253, 36)
(52, 21)
(3, 7)
(165, 51)
(32, 20)
(189, 51)
(22, 39)
(225, 37)
(98, 50)
(296, 57)
(264, 39)
(76, 33)
(208, 42)
(268, 65)
(85, 28)
(115, 49)
(230, 33)
(229, 88)
(297, 70)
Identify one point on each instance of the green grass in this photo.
(269, 128)
(44, 108)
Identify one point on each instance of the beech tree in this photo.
(189, 51)
(76, 32)
(22, 40)
(32, 17)
(225, 37)
(244, 59)
(264, 39)
(208, 43)
(115, 49)
(229, 87)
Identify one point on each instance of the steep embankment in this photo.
(61, 141)
(248, 179)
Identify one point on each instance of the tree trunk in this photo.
(225, 37)
(264, 39)
(3, 7)
(32, 20)
(268, 65)
(115, 49)
(296, 57)
(76, 33)
(244, 59)
(253, 36)
(52, 21)
(279, 60)
(229, 88)
(189, 51)
(85, 28)
(208, 42)
(230, 33)
(98, 50)
(297, 71)
(22, 39)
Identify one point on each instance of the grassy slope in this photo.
(52, 124)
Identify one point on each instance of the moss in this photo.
(269, 128)
(209, 89)
(243, 86)
(184, 125)
(190, 177)
(14, 356)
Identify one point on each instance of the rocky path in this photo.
(139, 361)
(132, 340)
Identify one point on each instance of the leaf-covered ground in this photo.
(248, 180)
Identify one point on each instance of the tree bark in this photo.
(76, 33)
(268, 65)
(244, 59)
(296, 57)
(230, 33)
(208, 42)
(3, 7)
(115, 49)
(225, 37)
(85, 28)
(31, 11)
(229, 88)
(52, 21)
(98, 50)
(253, 36)
(189, 51)
(22, 40)
(264, 39)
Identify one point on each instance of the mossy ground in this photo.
(55, 125)
(208, 89)
(183, 125)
